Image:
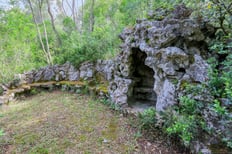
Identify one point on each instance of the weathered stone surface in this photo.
(106, 67)
(65, 72)
(165, 95)
(38, 75)
(173, 48)
(119, 89)
(87, 70)
(48, 74)
(73, 76)
(198, 70)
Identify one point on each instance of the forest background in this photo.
(35, 33)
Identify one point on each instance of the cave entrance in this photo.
(142, 95)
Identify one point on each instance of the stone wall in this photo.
(96, 74)
(65, 72)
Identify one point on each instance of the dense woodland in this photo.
(36, 33)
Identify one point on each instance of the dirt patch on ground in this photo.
(60, 122)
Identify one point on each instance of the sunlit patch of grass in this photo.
(59, 122)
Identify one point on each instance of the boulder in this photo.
(87, 70)
(48, 74)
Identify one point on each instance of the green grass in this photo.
(59, 122)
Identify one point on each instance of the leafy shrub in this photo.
(183, 127)
(19, 50)
(147, 119)
(79, 48)
(185, 121)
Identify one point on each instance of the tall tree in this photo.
(91, 19)
(53, 23)
(45, 48)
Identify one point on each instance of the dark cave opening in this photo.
(143, 76)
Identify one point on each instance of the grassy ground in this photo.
(60, 122)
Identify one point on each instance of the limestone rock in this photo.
(198, 70)
(165, 96)
(38, 75)
(105, 67)
(48, 74)
(73, 76)
(118, 91)
(87, 70)
(166, 51)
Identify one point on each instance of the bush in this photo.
(185, 121)
(78, 48)
(147, 119)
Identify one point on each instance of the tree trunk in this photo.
(82, 14)
(45, 32)
(39, 33)
(91, 21)
(53, 23)
(74, 13)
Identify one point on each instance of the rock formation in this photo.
(60, 75)
(157, 56)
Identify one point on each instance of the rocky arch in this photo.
(142, 77)
(169, 51)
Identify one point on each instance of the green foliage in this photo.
(19, 51)
(189, 106)
(147, 119)
(221, 69)
(1, 90)
(111, 105)
(219, 109)
(79, 48)
(184, 127)
(218, 87)
(186, 121)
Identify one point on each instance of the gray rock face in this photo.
(198, 70)
(105, 67)
(65, 72)
(87, 70)
(73, 76)
(157, 55)
(48, 74)
(119, 90)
